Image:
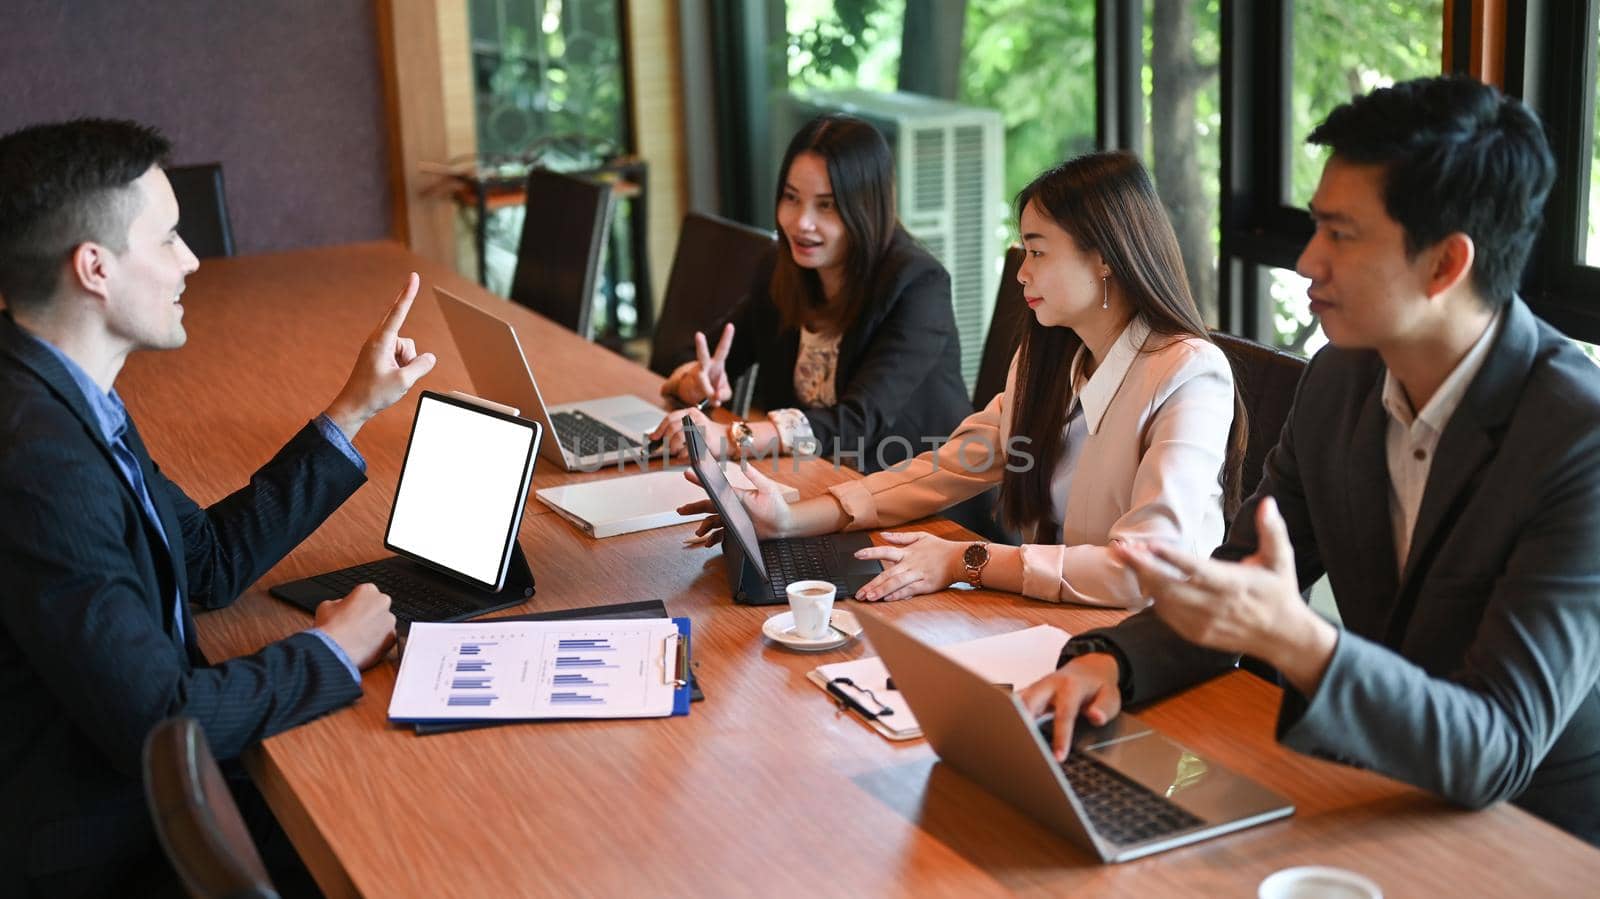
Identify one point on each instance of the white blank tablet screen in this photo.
(460, 488)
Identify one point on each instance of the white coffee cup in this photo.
(812, 604)
(1318, 882)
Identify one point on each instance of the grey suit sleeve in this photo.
(1477, 735)
(1160, 661)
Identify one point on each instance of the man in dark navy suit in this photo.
(102, 555)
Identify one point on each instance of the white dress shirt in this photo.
(1146, 465)
(1413, 437)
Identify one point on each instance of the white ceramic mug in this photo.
(812, 604)
(1318, 882)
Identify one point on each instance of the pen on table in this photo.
(654, 445)
(854, 704)
(889, 685)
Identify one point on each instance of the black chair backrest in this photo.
(1006, 324)
(196, 818)
(1266, 378)
(563, 238)
(202, 209)
(712, 271)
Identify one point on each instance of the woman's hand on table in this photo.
(917, 563)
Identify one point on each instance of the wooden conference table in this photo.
(764, 787)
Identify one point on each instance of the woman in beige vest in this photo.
(1119, 420)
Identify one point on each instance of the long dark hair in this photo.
(1105, 202)
(861, 171)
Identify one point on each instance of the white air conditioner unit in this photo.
(948, 164)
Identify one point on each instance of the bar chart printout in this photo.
(537, 669)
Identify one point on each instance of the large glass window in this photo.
(975, 99)
(1183, 127)
(1033, 60)
(835, 45)
(549, 90)
(1342, 48)
(544, 69)
(1294, 328)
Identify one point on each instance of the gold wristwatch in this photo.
(743, 437)
(975, 557)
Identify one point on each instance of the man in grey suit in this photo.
(1441, 465)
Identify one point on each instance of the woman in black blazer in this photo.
(850, 320)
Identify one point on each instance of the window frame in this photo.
(1542, 39)
(1546, 41)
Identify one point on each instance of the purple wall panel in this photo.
(286, 94)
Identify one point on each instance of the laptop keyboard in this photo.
(582, 435)
(1122, 811)
(799, 559)
(412, 598)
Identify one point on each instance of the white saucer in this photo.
(843, 628)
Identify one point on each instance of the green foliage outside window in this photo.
(1033, 61)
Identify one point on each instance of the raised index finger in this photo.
(402, 305)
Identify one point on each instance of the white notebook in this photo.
(1017, 658)
(636, 502)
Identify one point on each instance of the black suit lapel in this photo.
(1469, 442)
(47, 368)
(1367, 507)
(168, 521)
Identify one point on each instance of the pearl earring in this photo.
(1105, 291)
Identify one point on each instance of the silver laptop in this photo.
(1125, 790)
(589, 433)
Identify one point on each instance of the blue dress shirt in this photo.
(112, 417)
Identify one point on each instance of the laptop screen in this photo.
(724, 497)
(462, 488)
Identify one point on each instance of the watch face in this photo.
(976, 555)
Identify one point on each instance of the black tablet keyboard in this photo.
(412, 598)
(799, 559)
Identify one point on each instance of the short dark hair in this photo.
(62, 184)
(1458, 156)
(861, 172)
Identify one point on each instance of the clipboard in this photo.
(650, 608)
(862, 686)
(580, 642)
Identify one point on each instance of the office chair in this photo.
(563, 239)
(1006, 325)
(1267, 378)
(195, 817)
(711, 272)
(202, 209)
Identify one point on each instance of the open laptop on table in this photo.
(1125, 790)
(588, 433)
(760, 570)
(457, 508)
